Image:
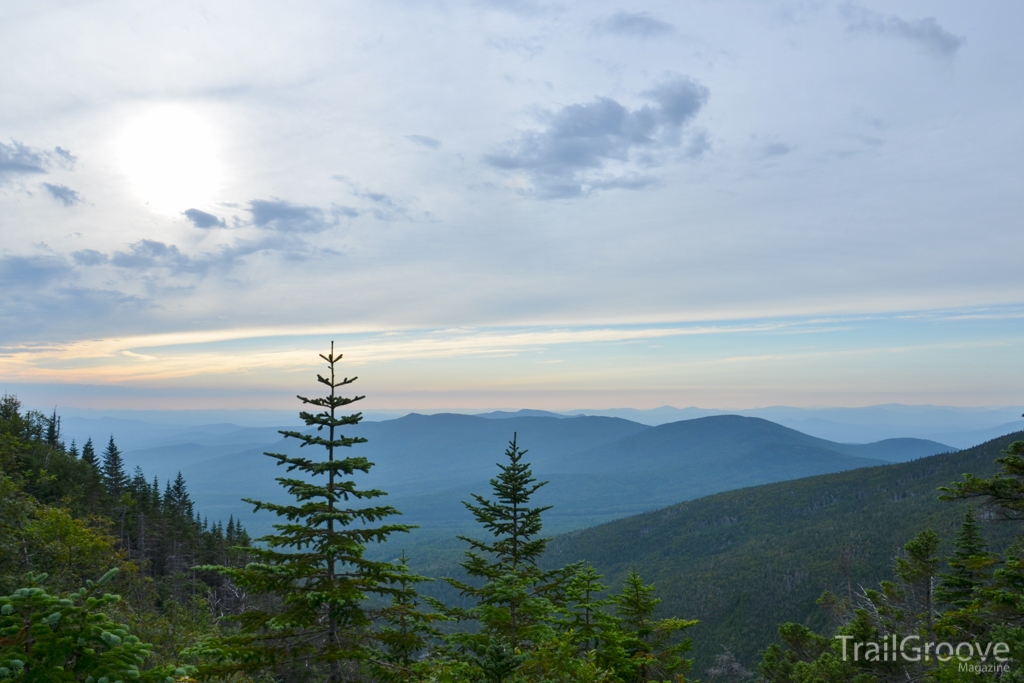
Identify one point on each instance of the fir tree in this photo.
(652, 645)
(73, 451)
(114, 477)
(93, 489)
(919, 568)
(513, 600)
(970, 571)
(177, 501)
(53, 430)
(405, 631)
(89, 453)
(315, 565)
(587, 616)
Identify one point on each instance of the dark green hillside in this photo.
(747, 560)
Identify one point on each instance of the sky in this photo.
(509, 204)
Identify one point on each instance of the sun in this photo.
(171, 157)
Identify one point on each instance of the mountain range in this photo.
(599, 468)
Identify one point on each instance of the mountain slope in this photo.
(747, 560)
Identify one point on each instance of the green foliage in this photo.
(55, 518)
(1003, 494)
(312, 574)
(805, 657)
(586, 614)
(970, 570)
(46, 637)
(70, 549)
(744, 561)
(652, 646)
(979, 599)
(404, 630)
(114, 477)
(89, 453)
(918, 569)
(513, 596)
(553, 625)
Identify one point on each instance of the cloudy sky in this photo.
(511, 203)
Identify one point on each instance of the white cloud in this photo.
(753, 186)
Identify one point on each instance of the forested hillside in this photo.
(744, 561)
(74, 513)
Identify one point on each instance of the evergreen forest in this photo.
(110, 576)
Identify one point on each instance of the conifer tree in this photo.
(53, 430)
(73, 451)
(513, 600)
(92, 486)
(89, 453)
(652, 645)
(918, 569)
(970, 566)
(177, 501)
(314, 566)
(114, 477)
(405, 630)
(586, 613)
(970, 572)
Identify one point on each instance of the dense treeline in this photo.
(306, 603)
(74, 514)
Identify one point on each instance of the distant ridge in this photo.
(956, 426)
(525, 412)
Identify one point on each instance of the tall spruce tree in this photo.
(314, 570)
(513, 598)
(114, 476)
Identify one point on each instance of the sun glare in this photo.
(170, 155)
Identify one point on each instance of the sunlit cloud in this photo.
(180, 355)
